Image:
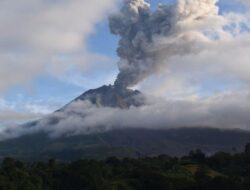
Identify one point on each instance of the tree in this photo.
(197, 156)
(247, 150)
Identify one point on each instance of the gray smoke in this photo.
(146, 34)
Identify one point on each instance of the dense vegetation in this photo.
(123, 143)
(192, 172)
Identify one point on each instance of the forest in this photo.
(195, 171)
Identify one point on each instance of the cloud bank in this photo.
(228, 111)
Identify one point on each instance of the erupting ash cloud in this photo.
(145, 35)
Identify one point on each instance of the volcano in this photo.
(112, 96)
(125, 142)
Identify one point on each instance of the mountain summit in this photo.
(113, 96)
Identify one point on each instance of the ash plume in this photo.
(146, 34)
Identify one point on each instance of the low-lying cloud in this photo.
(228, 111)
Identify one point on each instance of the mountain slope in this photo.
(121, 143)
(125, 143)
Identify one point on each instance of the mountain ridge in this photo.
(125, 143)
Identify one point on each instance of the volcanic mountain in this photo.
(106, 96)
(112, 96)
(124, 142)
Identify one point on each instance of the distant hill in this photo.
(125, 143)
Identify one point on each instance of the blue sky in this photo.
(54, 91)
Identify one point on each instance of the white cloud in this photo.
(226, 111)
(222, 111)
(36, 35)
(222, 58)
(8, 117)
(21, 110)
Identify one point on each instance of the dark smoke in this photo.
(137, 25)
(146, 34)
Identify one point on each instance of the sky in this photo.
(53, 51)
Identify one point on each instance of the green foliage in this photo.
(193, 172)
